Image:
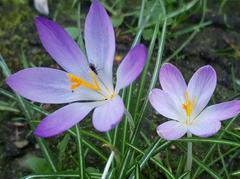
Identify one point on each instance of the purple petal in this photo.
(204, 127)
(163, 104)
(221, 111)
(46, 85)
(62, 48)
(100, 39)
(171, 130)
(107, 116)
(63, 119)
(172, 82)
(131, 66)
(201, 87)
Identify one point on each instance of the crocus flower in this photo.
(86, 83)
(41, 6)
(185, 104)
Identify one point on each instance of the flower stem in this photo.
(107, 166)
(188, 166)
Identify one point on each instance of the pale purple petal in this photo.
(201, 87)
(131, 66)
(171, 130)
(107, 116)
(46, 85)
(41, 6)
(173, 83)
(204, 127)
(63, 119)
(100, 40)
(164, 104)
(62, 48)
(221, 111)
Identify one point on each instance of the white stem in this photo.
(107, 166)
(188, 166)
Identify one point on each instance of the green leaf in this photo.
(37, 165)
(236, 173)
(210, 140)
(73, 31)
(62, 145)
(155, 161)
(137, 171)
(144, 106)
(201, 164)
(117, 20)
(147, 34)
(4, 106)
(81, 164)
(180, 167)
(63, 174)
(24, 107)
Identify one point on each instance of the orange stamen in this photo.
(189, 105)
(77, 81)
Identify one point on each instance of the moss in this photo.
(17, 35)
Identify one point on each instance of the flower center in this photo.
(188, 106)
(111, 96)
(77, 81)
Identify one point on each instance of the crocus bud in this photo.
(41, 6)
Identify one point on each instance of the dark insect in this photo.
(93, 68)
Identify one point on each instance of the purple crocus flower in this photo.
(86, 83)
(185, 104)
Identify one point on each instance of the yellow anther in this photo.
(77, 81)
(92, 74)
(189, 105)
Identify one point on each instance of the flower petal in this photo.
(46, 85)
(41, 6)
(164, 104)
(221, 111)
(62, 48)
(107, 116)
(172, 82)
(171, 130)
(131, 66)
(201, 87)
(63, 119)
(100, 40)
(204, 127)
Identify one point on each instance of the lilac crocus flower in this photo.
(185, 104)
(86, 83)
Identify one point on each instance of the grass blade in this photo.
(147, 155)
(156, 162)
(137, 171)
(210, 140)
(44, 148)
(108, 165)
(80, 153)
(152, 84)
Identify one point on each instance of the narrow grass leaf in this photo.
(43, 146)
